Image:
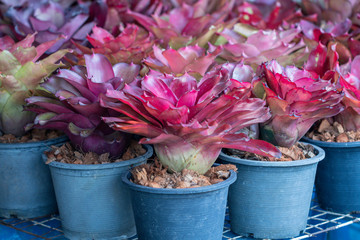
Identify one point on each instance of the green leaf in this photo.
(31, 74)
(179, 42)
(4, 96)
(43, 118)
(205, 39)
(55, 57)
(8, 63)
(220, 40)
(245, 29)
(258, 90)
(80, 131)
(11, 84)
(13, 116)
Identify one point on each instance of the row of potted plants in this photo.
(181, 76)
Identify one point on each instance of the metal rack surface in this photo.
(319, 222)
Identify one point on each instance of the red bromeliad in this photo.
(335, 37)
(133, 44)
(268, 16)
(296, 100)
(191, 59)
(190, 121)
(350, 117)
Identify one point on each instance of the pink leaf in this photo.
(158, 88)
(99, 68)
(101, 35)
(297, 94)
(139, 128)
(71, 75)
(188, 99)
(255, 146)
(317, 60)
(182, 85)
(162, 138)
(136, 105)
(6, 42)
(176, 62)
(128, 72)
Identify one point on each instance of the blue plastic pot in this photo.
(26, 189)
(271, 199)
(338, 176)
(92, 201)
(186, 214)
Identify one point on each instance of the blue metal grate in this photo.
(30, 229)
(49, 227)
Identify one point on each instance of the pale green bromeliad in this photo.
(21, 71)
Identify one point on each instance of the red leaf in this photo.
(255, 146)
(139, 128)
(298, 94)
(285, 85)
(132, 102)
(162, 138)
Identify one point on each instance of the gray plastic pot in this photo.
(338, 176)
(271, 199)
(26, 188)
(186, 214)
(92, 201)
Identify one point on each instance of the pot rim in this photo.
(178, 191)
(86, 167)
(45, 143)
(320, 156)
(332, 144)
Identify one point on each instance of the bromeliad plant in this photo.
(117, 10)
(334, 37)
(268, 14)
(75, 107)
(51, 20)
(350, 117)
(133, 44)
(191, 59)
(334, 11)
(296, 100)
(190, 121)
(187, 24)
(21, 72)
(327, 32)
(253, 46)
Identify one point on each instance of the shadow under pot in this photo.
(338, 176)
(271, 199)
(26, 189)
(92, 201)
(186, 213)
